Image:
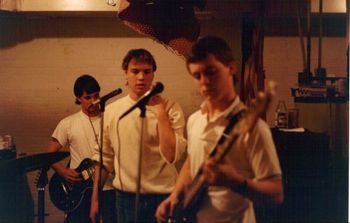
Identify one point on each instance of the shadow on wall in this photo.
(13, 30)
(17, 27)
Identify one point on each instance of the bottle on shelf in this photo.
(281, 115)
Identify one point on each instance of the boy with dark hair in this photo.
(80, 132)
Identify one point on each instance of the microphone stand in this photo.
(141, 104)
(138, 185)
(100, 199)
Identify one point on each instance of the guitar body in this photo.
(67, 196)
(187, 214)
(183, 216)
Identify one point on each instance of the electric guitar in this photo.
(237, 130)
(68, 196)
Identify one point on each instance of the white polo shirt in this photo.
(256, 160)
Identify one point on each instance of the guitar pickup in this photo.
(85, 175)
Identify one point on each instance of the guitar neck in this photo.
(226, 134)
(195, 188)
(220, 150)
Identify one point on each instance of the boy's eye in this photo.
(210, 71)
(196, 76)
(147, 72)
(96, 95)
(135, 71)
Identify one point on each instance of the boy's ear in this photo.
(233, 67)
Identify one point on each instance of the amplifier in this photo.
(309, 92)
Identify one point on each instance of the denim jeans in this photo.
(108, 209)
(82, 213)
(148, 203)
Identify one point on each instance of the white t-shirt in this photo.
(76, 133)
(255, 160)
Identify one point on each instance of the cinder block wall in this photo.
(40, 58)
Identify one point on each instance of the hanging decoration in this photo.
(172, 22)
(253, 73)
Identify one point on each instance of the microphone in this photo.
(104, 98)
(156, 89)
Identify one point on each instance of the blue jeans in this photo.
(82, 213)
(148, 203)
(108, 209)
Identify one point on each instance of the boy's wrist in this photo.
(242, 187)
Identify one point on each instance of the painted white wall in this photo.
(40, 58)
(37, 80)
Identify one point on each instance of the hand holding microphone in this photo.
(156, 89)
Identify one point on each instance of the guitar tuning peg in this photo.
(111, 2)
(271, 87)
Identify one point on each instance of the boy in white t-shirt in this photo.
(79, 132)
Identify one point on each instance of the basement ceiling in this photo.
(214, 9)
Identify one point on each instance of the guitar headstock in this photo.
(257, 108)
(262, 102)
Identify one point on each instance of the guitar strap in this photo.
(233, 120)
